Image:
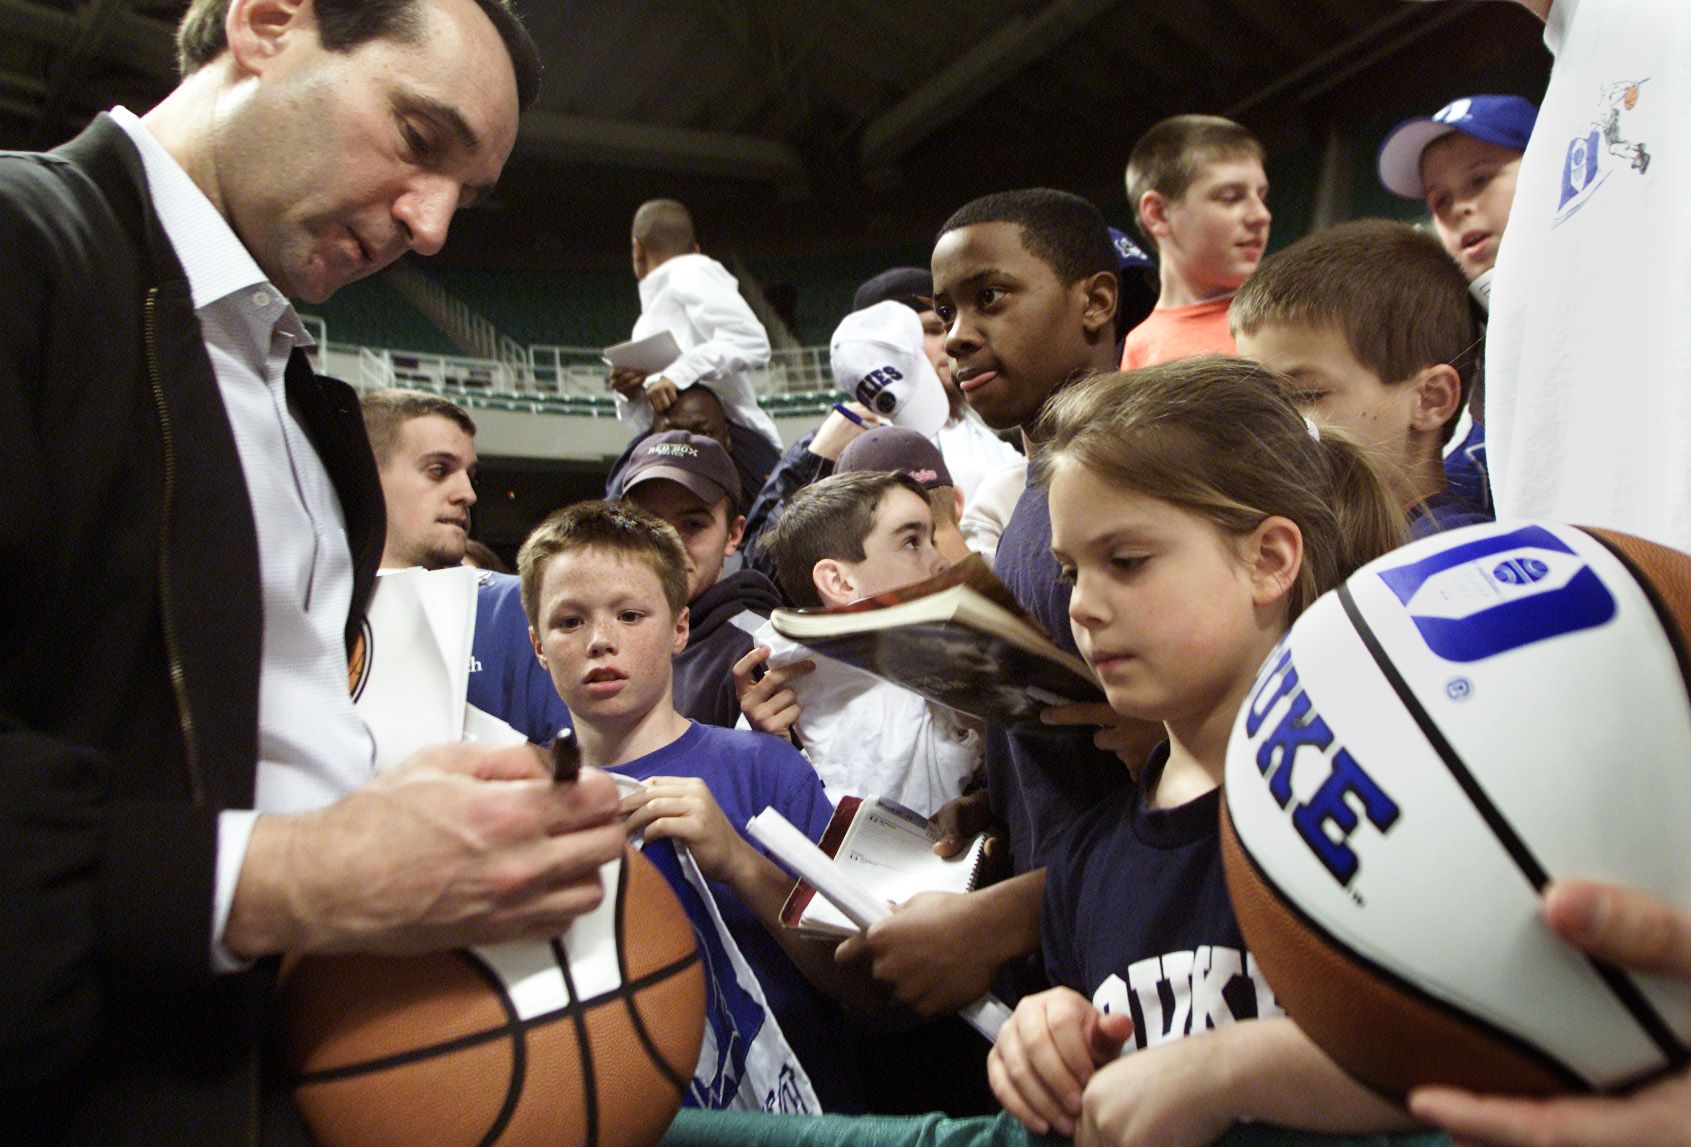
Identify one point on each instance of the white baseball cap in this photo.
(879, 360)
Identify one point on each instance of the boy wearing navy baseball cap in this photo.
(689, 481)
(1461, 162)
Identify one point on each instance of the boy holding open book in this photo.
(842, 539)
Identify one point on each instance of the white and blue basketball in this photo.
(1464, 720)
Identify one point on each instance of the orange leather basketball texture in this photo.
(435, 1049)
(1390, 1039)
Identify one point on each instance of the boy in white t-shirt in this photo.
(845, 538)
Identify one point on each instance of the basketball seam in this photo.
(1664, 616)
(628, 998)
(1618, 982)
(519, 1053)
(487, 1035)
(589, 1084)
(1510, 1039)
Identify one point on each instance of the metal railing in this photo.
(571, 380)
(791, 372)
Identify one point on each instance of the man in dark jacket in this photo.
(689, 482)
(185, 789)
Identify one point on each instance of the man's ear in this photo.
(1153, 214)
(1102, 291)
(534, 640)
(257, 31)
(736, 531)
(1273, 552)
(833, 581)
(1438, 394)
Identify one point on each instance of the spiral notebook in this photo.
(888, 850)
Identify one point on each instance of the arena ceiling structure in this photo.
(798, 127)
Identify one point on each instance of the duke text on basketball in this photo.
(1302, 739)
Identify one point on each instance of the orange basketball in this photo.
(588, 1039)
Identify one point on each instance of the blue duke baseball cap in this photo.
(1502, 120)
(1129, 255)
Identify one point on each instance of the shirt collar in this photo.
(215, 260)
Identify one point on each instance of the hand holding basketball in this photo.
(461, 845)
(1627, 928)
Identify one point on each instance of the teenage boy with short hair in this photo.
(690, 483)
(1026, 282)
(1371, 323)
(844, 538)
(1199, 197)
(425, 448)
(605, 587)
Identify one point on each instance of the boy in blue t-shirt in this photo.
(605, 587)
(1372, 324)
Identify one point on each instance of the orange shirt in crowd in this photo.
(1179, 332)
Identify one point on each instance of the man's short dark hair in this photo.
(385, 411)
(665, 226)
(344, 24)
(1064, 230)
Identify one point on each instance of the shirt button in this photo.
(261, 298)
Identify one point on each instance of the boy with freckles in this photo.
(605, 588)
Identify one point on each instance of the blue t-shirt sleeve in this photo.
(506, 679)
(792, 787)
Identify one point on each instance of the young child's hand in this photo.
(769, 703)
(1171, 1095)
(1047, 1052)
(682, 808)
(959, 820)
(935, 951)
(1128, 738)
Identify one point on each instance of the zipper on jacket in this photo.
(178, 678)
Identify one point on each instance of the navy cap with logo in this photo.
(912, 286)
(1502, 120)
(698, 464)
(896, 448)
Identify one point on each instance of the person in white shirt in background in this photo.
(1588, 419)
(696, 300)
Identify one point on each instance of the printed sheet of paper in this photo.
(416, 667)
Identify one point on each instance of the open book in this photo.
(857, 904)
(959, 638)
(888, 850)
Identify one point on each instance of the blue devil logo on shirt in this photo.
(1499, 593)
(1594, 148)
